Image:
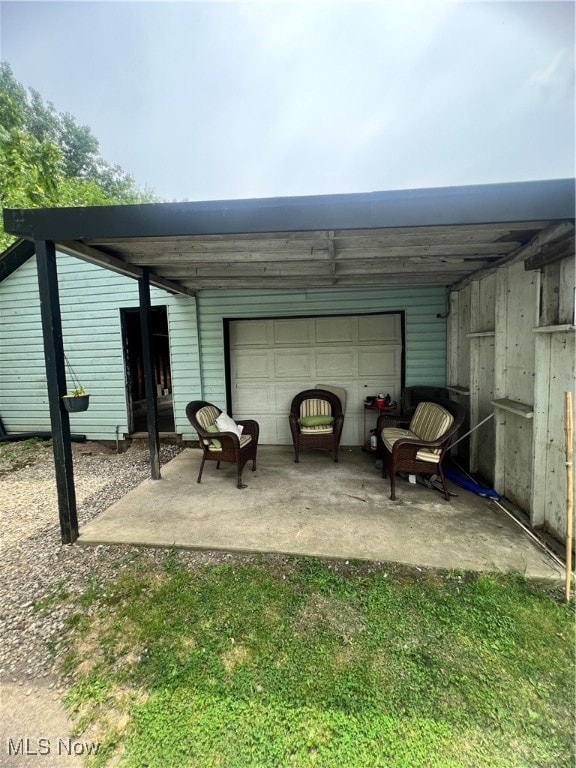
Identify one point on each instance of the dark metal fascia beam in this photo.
(115, 264)
(14, 256)
(548, 200)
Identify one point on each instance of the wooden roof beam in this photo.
(113, 263)
(550, 253)
(550, 234)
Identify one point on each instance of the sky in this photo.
(222, 100)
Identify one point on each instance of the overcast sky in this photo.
(216, 100)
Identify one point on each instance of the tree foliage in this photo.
(47, 159)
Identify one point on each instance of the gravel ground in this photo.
(40, 577)
(35, 567)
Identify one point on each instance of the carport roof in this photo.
(438, 236)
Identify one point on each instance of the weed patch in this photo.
(19, 454)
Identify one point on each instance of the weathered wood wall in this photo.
(521, 355)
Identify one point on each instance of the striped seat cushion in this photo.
(391, 434)
(321, 430)
(430, 421)
(244, 440)
(207, 416)
(316, 407)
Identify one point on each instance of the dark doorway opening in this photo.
(133, 366)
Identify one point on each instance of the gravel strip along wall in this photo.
(34, 565)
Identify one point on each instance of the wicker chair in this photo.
(411, 396)
(222, 446)
(311, 404)
(420, 448)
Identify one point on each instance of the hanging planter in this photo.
(76, 401)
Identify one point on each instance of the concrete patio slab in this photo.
(318, 508)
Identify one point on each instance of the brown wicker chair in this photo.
(411, 396)
(420, 448)
(311, 403)
(222, 446)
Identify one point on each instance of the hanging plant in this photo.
(78, 400)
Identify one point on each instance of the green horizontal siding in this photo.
(90, 299)
(425, 333)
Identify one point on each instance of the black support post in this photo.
(149, 378)
(56, 379)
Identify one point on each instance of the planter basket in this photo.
(76, 403)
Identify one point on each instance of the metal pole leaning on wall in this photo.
(474, 428)
(56, 380)
(569, 435)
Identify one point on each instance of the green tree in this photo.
(79, 148)
(13, 101)
(47, 159)
(41, 120)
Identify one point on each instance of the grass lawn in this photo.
(297, 662)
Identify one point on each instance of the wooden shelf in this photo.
(480, 334)
(554, 329)
(513, 406)
(465, 391)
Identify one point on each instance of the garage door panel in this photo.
(332, 362)
(250, 333)
(355, 394)
(335, 330)
(256, 365)
(249, 397)
(268, 432)
(283, 434)
(385, 329)
(292, 363)
(285, 392)
(379, 361)
(388, 385)
(292, 332)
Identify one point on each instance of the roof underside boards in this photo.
(343, 258)
(407, 237)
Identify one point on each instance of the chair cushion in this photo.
(315, 407)
(316, 421)
(430, 421)
(216, 443)
(391, 434)
(244, 440)
(319, 430)
(207, 415)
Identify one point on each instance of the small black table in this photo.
(389, 410)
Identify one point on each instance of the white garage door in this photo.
(272, 360)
